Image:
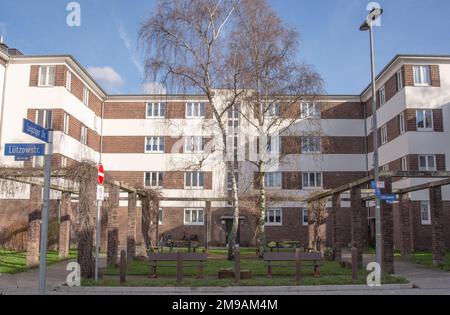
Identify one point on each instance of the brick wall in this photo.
(342, 110)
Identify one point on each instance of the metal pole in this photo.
(44, 226)
(376, 167)
(97, 239)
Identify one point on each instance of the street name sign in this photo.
(36, 131)
(389, 197)
(22, 150)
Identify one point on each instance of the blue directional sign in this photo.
(377, 192)
(373, 184)
(389, 197)
(36, 131)
(21, 150)
(389, 202)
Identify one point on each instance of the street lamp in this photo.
(368, 25)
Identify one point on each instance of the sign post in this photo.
(100, 198)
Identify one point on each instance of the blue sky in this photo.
(106, 42)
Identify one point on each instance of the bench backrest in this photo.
(291, 256)
(174, 256)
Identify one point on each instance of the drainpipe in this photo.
(101, 131)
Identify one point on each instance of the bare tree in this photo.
(276, 84)
(186, 47)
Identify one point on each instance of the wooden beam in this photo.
(439, 183)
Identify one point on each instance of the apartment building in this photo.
(158, 141)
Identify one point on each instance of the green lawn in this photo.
(15, 262)
(426, 259)
(138, 272)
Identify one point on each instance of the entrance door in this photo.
(228, 227)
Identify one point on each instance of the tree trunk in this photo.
(261, 229)
(235, 228)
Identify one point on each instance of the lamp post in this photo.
(368, 25)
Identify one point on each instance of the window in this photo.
(310, 110)
(312, 180)
(399, 76)
(371, 123)
(427, 163)
(47, 76)
(44, 118)
(38, 162)
(195, 110)
(154, 145)
(422, 75)
(385, 168)
(404, 164)
(273, 145)
(193, 180)
(384, 135)
(402, 123)
(193, 144)
(273, 180)
(305, 218)
(154, 179)
(69, 81)
(84, 134)
(311, 144)
(230, 180)
(193, 217)
(156, 110)
(66, 123)
(233, 116)
(424, 120)
(274, 217)
(63, 161)
(161, 216)
(382, 95)
(86, 96)
(425, 212)
(273, 110)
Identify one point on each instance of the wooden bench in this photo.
(283, 244)
(179, 258)
(314, 257)
(190, 245)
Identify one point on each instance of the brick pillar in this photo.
(34, 226)
(387, 230)
(64, 227)
(131, 234)
(437, 226)
(336, 235)
(405, 227)
(113, 226)
(356, 226)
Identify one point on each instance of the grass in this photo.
(426, 259)
(137, 275)
(15, 262)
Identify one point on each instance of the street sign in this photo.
(377, 192)
(379, 185)
(389, 202)
(100, 193)
(389, 197)
(22, 158)
(101, 175)
(22, 150)
(36, 131)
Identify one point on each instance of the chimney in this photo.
(3, 46)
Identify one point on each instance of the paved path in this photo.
(424, 279)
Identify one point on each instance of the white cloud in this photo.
(153, 88)
(134, 58)
(107, 76)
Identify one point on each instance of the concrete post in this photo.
(64, 227)
(131, 235)
(405, 227)
(356, 229)
(34, 226)
(437, 226)
(113, 226)
(387, 228)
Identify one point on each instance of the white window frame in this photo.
(188, 216)
(309, 145)
(86, 96)
(273, 109)
(158, 110)
(48, 79)
(424, 113)
(273, 180)
(305, 223)
(198, 177)
(66, 123)
(160, 216)
(159, 179)
(48, 115)
(386, 168)
(306, 180)
(69, 81)
(310, 110)
(151, 141)
(63, 161)
(427, 160)
(404, 164)
(422, 75)
(197, 110)
(84, 135)
(402, 123)
(399, 75)
(274, 215)
(382, 95)
(426, 204)
(193, 144)
(384, 135)
(230, 182)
